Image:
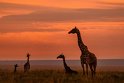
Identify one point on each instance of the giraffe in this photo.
(15, 68)
(68, 70)
(27, 64)
(86, 57)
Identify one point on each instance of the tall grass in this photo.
(54, 76)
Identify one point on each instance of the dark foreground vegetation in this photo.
(54, 76)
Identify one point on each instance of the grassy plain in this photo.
(58, 76)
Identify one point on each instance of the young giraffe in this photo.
(15, 68)
(68, 70)
(27, 64)
(86, 56)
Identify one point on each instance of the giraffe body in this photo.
(86, 57)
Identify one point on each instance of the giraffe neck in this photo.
(15, 69)
(80, 42)
(28, 59)
(65, 65)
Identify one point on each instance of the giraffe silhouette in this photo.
(15, 68)
(68, 70)
(86, 57)
(27, 64)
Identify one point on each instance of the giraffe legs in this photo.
(83, 68)
(82, 64)
(94, 67)
(91, 68)
(86, 68)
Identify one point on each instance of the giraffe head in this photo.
(16, 65)
(74, 30)
(28, 54)
(61, 56)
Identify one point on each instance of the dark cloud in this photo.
(16, 30)
(27, 27)
(15, 9)
(112, 4)
(84, 15)
(4, 6)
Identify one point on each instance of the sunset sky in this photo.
(41, 27)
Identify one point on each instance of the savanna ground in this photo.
(58, 76)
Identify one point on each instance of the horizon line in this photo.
(57, 59)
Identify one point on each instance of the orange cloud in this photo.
(104, 39)
(72, 15)
(65, 3)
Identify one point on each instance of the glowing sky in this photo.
(41, 28)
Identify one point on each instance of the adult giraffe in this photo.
(86, 57)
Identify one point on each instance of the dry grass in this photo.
(54, 76)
